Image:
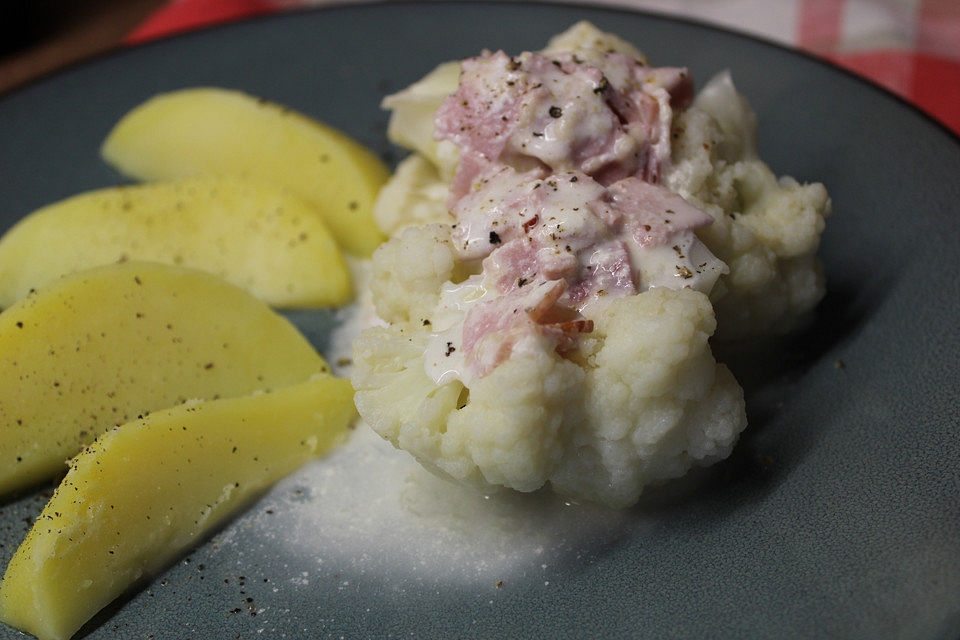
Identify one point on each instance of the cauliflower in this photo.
(414, 195)
(570, 231)
(408, 271)
(640, 402)
(766, 229)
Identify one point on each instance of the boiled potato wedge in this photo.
(254, 234)
(207, 130)
(144, 492)
(99, 347)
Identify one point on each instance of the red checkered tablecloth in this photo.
(911, 47)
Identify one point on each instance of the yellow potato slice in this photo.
(99, 347)
(145, 491)
(208, 130)
(254, 234)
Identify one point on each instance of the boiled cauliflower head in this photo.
(639, 402)
(571, 229)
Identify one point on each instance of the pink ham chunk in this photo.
(519, 262)
(493, 329)
(483, 112)
(606, 272)
(651, 214)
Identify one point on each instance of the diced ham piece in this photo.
(484, 111)
(607, 272)
(495, 211)
(492, 329)
(512, 266)
(471, 166)
(652, 214)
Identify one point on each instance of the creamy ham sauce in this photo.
(557, 199)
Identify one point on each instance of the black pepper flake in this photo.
(450, 349)
(521, 282)
(20, 325)
(426, 323)
(555, 112)
(602, 85)
(494, 238)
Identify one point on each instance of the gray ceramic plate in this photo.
(838, 514)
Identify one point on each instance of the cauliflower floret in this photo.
(642, 401)
(408, 271)
(657, 401)
(766, 230)
(507, 430)
(414, 195)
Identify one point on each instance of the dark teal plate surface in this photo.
(838, 515)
